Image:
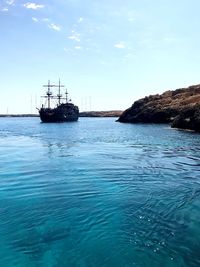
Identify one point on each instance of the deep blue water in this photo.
(97, 193)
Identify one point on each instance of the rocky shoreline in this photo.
(180, 108)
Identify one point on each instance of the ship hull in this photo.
(62, 113)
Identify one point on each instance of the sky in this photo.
(108, 53)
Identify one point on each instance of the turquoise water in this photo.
(98, 193)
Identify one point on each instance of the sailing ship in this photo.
(63, 111)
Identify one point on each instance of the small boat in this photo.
(63, 111)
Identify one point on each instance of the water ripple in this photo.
(98, 193)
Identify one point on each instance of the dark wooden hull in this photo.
(63, 113)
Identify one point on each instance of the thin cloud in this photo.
(129, 56)
(75, 37)
(45, 19)
(80, 20)
(33, 6)
(5, 9)
(132, 16)
(10, 2)
(54, 27)
(78, 47)
(120, 45)
(67, 49)
(170, 40)
(131, 19)
(48, 23)
(35, 19)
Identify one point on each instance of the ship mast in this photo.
(59, 94)
(49, 93)
(66, 96)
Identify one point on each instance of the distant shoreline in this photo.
(18, 115)
(111, 113)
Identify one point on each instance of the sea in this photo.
(98, 193)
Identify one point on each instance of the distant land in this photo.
(180, 107)
(110, 113)
(19, 115)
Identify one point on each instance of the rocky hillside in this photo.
(180, 107)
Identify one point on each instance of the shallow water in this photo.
(98, 193)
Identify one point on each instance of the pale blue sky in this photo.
(108, 53)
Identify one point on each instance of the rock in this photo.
(180, 107)
(188, 118)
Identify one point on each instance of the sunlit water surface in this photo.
(97, 193)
